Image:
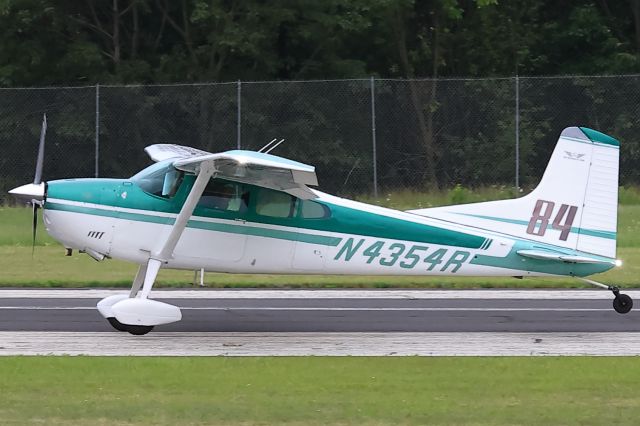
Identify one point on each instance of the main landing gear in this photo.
(135, 312)
(622, 303)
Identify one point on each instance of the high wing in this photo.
(164, 151)
(254, 168)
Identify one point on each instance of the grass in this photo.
(629, 226)
(629, 195)
(315, 391)
(16, 228)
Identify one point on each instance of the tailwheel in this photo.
(622, 303)
(139, 330)
(117, 324)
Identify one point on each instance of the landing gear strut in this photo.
(622, 303)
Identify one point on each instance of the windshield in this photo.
(160, 179)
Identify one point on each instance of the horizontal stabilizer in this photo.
(567, 258)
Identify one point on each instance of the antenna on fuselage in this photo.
(274, 146)
(267, 145)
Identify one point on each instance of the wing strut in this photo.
(134, 312)
(165, 251)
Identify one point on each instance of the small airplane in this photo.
(252, 212)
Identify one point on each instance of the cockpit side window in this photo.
(275, 203)
(160, 179)
(225, 196)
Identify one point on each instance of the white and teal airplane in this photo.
(253, 212)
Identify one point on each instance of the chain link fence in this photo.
(364, 136)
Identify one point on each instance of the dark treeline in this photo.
(48, 42)
(430, 132)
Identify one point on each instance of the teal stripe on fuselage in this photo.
(353, 221)
(198, 224)
(428, 234)
(343, 219)
(590, 232)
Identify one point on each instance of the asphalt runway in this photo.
(393, 321)
(335, 315)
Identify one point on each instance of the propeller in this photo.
(34, 226)
(35, 192)
(37, 180)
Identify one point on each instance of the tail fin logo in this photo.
(574, 156)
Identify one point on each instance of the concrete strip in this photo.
(321, 294)
(320, 344)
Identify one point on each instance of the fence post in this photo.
(517, 135)
(239, 95)
(373, 137)
(97, 154)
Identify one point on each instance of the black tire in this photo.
(117, 324)
(139, 330)
(622, 303)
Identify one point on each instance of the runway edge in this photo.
(320, 344)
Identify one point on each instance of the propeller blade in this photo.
(34, 225)
(37, 179)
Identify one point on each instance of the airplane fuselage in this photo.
(269, 233)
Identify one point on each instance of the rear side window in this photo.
(274, 203)
(312, 210)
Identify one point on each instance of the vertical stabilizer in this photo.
(574, 206)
